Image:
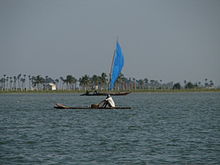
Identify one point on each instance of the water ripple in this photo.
(180, 128)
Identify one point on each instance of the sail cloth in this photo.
(118, 63)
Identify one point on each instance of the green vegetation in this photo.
(133, 91)
(40, 84)
(177, 86)
(176, 90)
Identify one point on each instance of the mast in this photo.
(113, 59)
(110, 74)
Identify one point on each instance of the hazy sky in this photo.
(161, 39)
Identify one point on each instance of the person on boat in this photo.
(108, 102)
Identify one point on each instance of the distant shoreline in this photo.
(132, 91)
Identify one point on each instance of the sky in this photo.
(169, 40)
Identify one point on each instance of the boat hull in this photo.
(61, 106)
(104, 94)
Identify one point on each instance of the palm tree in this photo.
(206, 82)
(29, 81)
(124, 80)
(70, 81)
(14, 85)
(95, 80)
(134, 82)
(57, 83)
(10, 83)
(4, 81)
(211, 83)
(161, 84)
(146, 82)
(199, 83)
(177, 86)
(46, 78)
(152, 83)
(74, 82)
(7, 78)
(185, 82)
(120, 82)
(63, 82)
(189, 85)
(103, 80)
(38, 81)
(23, 81)
(18, 78)
(140, 83)
(84, 81)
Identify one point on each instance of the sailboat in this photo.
(116, 68)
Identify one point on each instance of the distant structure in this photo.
(51, 86)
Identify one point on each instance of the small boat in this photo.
(61, 106)
(116, 68)
(104, 94)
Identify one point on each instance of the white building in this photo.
(51, 86)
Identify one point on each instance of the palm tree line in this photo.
(24, 82)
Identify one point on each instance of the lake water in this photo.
(161, 128)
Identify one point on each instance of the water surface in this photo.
(161, 128)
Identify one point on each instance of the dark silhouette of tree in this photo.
(57, 83)
(23, 82)
(29, 81)
(95, 80)
(84, 81)
(140, 83)
(103, 80)
(19, 82)
(177, 86)
(199, 84)
(74, 82)
(211, 83)
(134, 82)
(145, 83)
(206, 82)
(189, 85)
(7, 79)
(18, 79)
(10, 83)
(2, 84)
(38, 82)
(70, 81)
(14, 82)
(63, 82)
(4, 80)
(120, 82)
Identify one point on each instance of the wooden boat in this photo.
(116, 68)
(61, 106)
(104, 94)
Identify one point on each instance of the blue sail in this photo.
(118, 63)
